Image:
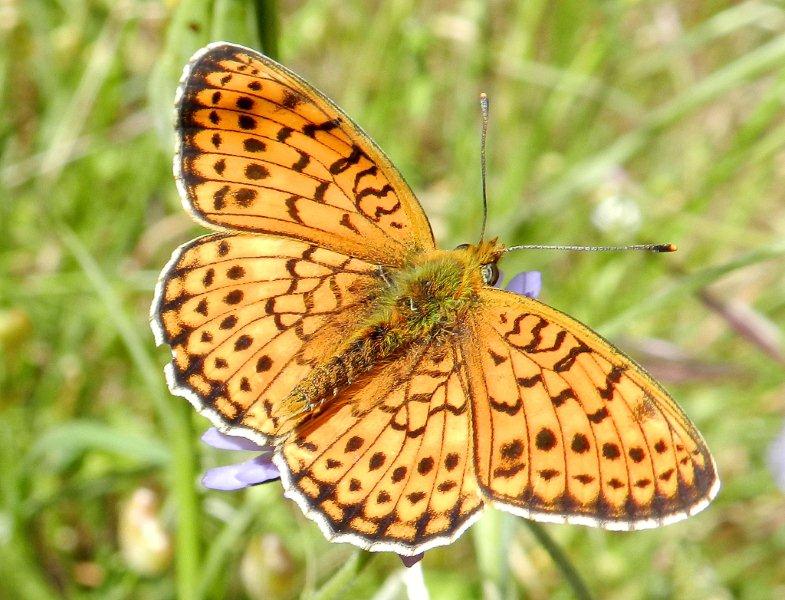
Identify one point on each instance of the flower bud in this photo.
(145, 544)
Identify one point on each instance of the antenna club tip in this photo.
(666, 248)
(483, 96)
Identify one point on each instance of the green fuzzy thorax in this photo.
(427, 297)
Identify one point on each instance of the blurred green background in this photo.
(611, 122)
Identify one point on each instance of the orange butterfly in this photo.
(401, 391)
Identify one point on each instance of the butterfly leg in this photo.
(383, 274)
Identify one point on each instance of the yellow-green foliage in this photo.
(611, 122)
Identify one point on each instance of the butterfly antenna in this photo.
(484, 111)
(645, 247)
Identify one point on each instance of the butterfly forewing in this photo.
(260, 150)
(387, 467)
(248, 317)
(566, 428)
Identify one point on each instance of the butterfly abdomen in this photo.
(371, 347)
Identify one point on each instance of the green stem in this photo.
(338, 585)
(18, 569)
(570, 573)
(183, 475)
(267, 25)
(175, 420)
(222, 547)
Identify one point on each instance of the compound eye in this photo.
(490, 274)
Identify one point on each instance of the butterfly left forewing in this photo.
(566, 428)
(386, 466)
(260, 150)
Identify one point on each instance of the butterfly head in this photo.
(484, 255)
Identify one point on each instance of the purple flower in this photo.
(259, 469)
(526, 283)
(777, 460)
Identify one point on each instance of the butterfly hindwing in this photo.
(387, 467)
(568, 429)
(247, 317)
(260, 150)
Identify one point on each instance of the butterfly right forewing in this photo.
(568, 429)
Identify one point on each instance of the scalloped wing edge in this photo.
(610, 525)
(291, 492)
(175, 387)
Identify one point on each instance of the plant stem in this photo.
(175, 420)
(562, 561)
(268, 26)
(338, 584)
(183, 473)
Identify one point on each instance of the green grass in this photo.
(673, 111)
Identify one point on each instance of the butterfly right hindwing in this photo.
(387, 467)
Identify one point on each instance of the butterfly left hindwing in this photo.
(248, 317)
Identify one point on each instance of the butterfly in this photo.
(401, 390)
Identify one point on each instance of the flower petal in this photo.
(776, 456)
(217, 439)
(223, 478)
(410, 561)
(258, 470)
(527, 283)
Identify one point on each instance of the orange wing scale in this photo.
(262, 151)
(568, 429)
